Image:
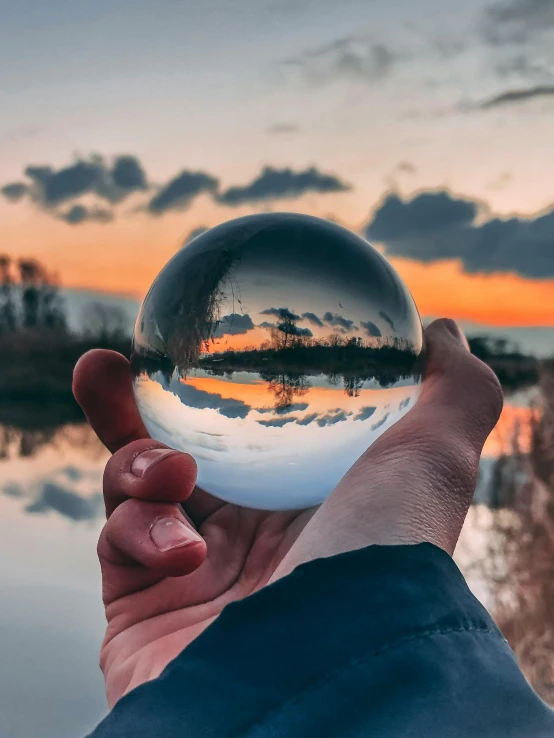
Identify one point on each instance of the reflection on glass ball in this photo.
(275, 349)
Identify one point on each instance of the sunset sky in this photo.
(426, 126)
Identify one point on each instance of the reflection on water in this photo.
(277, 344)
(51, 621)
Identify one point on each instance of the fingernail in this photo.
(169, 533)
(147, 459)
(452, 327)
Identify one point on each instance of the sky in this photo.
(425, 126)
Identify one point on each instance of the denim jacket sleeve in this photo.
(386, 641)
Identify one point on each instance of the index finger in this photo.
(102, 385)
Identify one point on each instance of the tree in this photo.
(29, 297)
(105, 322)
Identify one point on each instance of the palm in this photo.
(148, 628)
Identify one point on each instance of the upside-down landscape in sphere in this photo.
(275, 349)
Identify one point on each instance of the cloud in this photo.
(515, 21)
(114, 180)
(195, 233)
(193, 397)
(179, 192)
(338, 320)
(128, 174)
(332, 419)
(278, 422)
(350, 57)
(381, 422)
(429, 211)
(276, 184)
(79, 214)
(12, 489)
(386, 318)
(53, 187)
(283, 129)
(66, 502)
(294, 407)
(312, 317)
(371, 329)
(49, 188)
(406, 167)
(14, 191)
(511, 97)
(364, 413)
(308, 419)
(281, 313)
(234, 325)
(435, 226)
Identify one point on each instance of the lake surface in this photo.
(52, 619)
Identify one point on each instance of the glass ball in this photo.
(275, 349)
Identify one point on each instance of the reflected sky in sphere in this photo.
(275, 349)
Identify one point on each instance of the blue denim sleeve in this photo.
(386, 641)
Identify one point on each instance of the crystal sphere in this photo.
(275, 349)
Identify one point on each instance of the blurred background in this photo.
(129, 127)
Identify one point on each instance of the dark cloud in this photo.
(304, 332)
(128, 174)
(277, 422)
(281, 313)
(338, 320)
(386, 318)
(364, 413)
(200, 399)
(312, 317)
(178, 193)
(71, 505)
(265, 324)
(512, 97)
(283, 129)
(73, 473)
(371, 329)
(381, 422)
(429, 211)
(94, 176)
(234, 325)
(435, 226)
(308, 419)
(404, 403)
(517, 21)
(293, 408)
(274, 184)
(50, 188)
(12, 489)
(349, 57)
(14, 191)
(79, 214)
(195, 233)
(332, 419)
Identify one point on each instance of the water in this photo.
(52, 619)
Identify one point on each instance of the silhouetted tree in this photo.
(106, 323)
(29, 297)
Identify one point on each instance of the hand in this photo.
(168, 571)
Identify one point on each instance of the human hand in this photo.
(413, 484)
